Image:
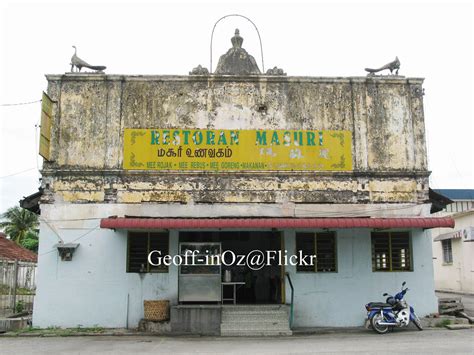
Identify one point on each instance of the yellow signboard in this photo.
(237, 150)
(45, 131)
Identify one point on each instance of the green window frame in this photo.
(323, 245)
(139, 245)
(391, 251)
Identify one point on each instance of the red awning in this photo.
(280, 223)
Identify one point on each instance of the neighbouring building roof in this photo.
(31, 202)
(11, 251)
(438, 201)
(457, 194)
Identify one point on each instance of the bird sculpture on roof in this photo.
(78, 63)
(395, 65)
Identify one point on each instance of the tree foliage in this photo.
(31, 241)
(21, 226)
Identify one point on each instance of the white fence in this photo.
(17, 286)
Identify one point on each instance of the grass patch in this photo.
(57, 331)
(26, 330)
(443, 323)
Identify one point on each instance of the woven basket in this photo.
(157, 310)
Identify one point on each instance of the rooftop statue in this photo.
(237, 61)
(79, 63)
(275, 71)
(199, 70)
(395, 65)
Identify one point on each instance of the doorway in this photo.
(254, 285)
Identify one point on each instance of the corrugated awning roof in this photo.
(451, 235)
(280, 223)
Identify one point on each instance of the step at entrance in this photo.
(255, 320)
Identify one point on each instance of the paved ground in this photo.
(406, 341)
(467, 301)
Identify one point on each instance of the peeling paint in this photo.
(82, 196)
(384, 114)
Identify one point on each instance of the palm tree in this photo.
(19, 224)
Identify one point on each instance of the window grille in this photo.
(391, 251)
(447, 251)
(140, 244)
(323, 245)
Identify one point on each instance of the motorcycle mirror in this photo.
(404, 283)
(385, 294)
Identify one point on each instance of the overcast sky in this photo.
(433, 41)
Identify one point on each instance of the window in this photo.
(391, 252)
(140, 244)
(305, 242)
(323, 245)
(447, 251)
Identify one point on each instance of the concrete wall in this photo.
(458, 276)
(384, 114)
(92, 289)
(338, 299)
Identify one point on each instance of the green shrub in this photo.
(20, 306)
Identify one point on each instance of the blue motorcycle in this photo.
(395, 312)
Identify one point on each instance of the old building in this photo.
(453, 250)
(233, 161)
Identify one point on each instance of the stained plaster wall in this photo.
(384, 114)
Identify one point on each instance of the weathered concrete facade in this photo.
(384, 114)
(85, 181)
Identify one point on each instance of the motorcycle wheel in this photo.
(380, 329)
(417, 321)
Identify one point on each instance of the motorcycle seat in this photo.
(379, 305)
